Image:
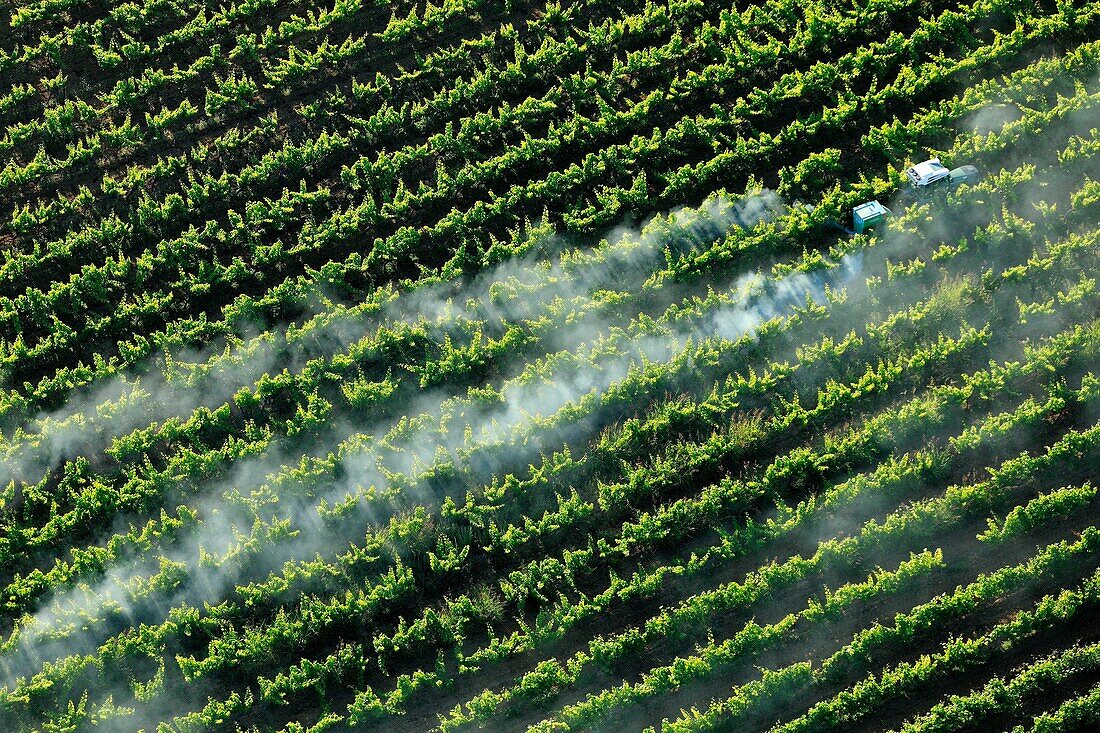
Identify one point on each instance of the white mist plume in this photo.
(189, 380)
(469, 426)
(623, 259)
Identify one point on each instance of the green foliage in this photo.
(325, 403)
(1043, 509)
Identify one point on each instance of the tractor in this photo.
(933, 177)
(925, 180)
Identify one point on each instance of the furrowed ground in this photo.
(499, 366)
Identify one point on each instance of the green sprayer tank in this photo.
(868, 216)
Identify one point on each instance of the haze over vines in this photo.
(513, 366)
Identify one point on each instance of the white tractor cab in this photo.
(926, 173)
(933, 176)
